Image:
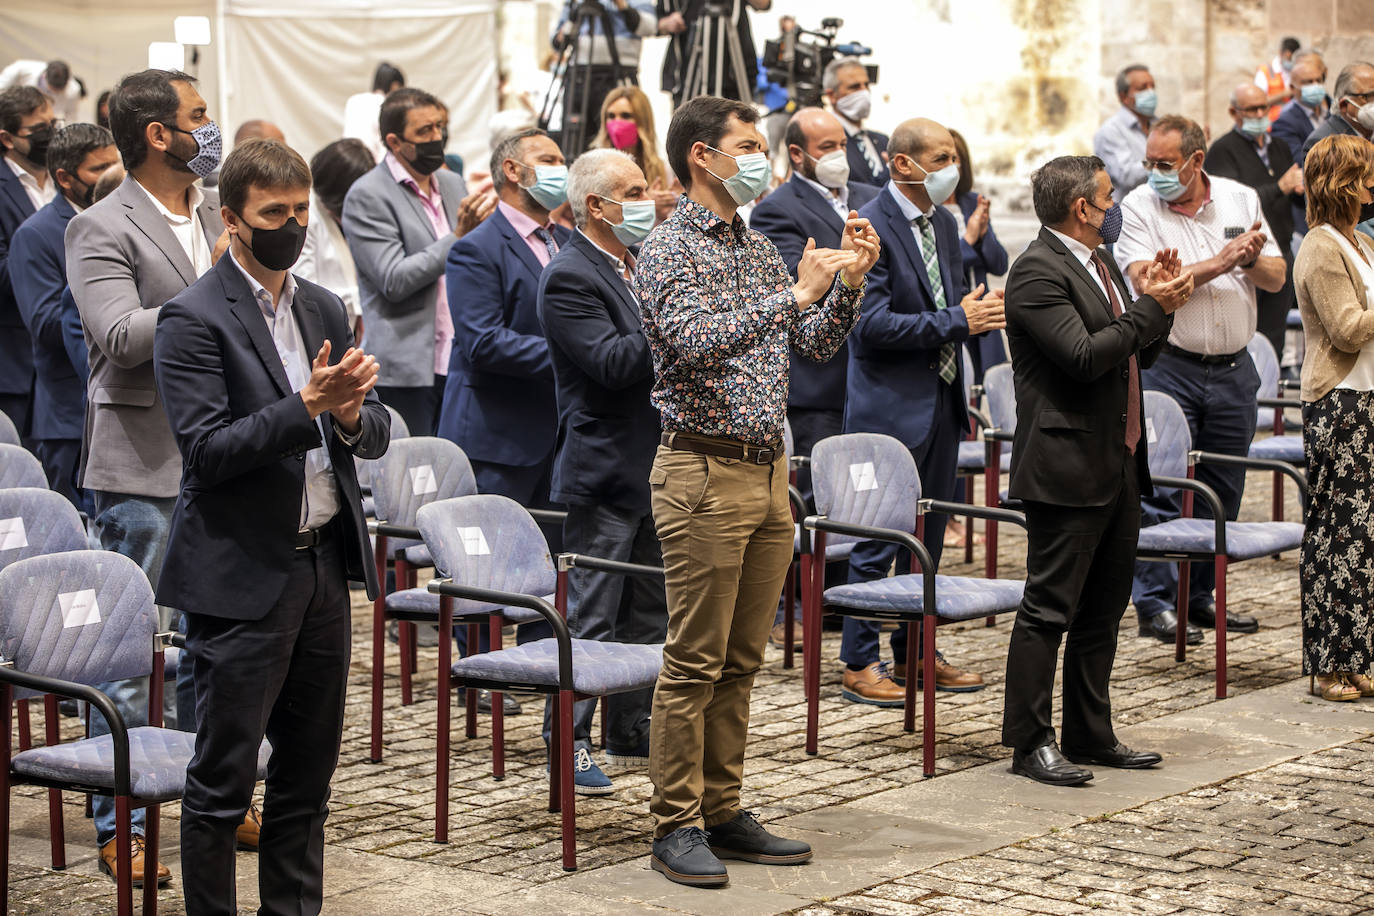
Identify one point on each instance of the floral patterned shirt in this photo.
(720, 316)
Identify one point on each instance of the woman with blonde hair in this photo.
(627, 124)
(1334, 278)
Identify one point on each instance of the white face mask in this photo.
(1364, 116)
(832, 169)
(856, 105)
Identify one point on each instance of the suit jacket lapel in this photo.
(15, 190)
(518, 244)
(153, 224)
(607, 273)
(905, 234)
(1077, 269)
(246, 310)
(311, 323)
(811, 199)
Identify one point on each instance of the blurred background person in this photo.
(54, 79)
(982, 253)
(627, 124)
(1275, 79)
(1335, 287)
(102, 110)
(846, 88)
(325, 259)
(1120, 141)
(361, 110)
(601, 63)
(684, 33)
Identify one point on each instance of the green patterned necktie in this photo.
(949, 367)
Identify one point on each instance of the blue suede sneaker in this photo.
(587, 776)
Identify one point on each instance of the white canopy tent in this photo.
(293, 62)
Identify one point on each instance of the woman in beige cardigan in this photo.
(1334, 277)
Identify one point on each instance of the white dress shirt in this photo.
(32, 73)
(187, 229)
(39, 195)
(838, 198)
(1120, 143)
(360, 121)
(326, 260)
(1084, 254)
(320, 501)
(1219, 318)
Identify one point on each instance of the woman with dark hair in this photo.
(325, 259)
(1334, 279)
(983, 254)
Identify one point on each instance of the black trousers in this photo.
(19, 408)
(809, 426)
(282, 677)
(1078, 580)
(418, 406)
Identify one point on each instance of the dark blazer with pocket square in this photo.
(608, 430)
(243, 434)
(1070, 359)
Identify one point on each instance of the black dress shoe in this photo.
(1121, 757)
(1046, 764)
(1235, 623)
(1164, 627)
(744, 838)
(685, 856)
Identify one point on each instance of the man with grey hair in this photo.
(499, 401)
(1120, 142)
(845, 83)
(1352, 112)
(1078, 343)
(1304, 113)
(608, 431)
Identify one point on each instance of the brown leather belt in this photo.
(721, 448)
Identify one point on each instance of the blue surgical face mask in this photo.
(752, 178)
(1166, 184)
(550, 188)
(1146, 101)
(209, 147)
(939, 185)
(1312, 94)
(636, 220)
(1254, 127)
(1110, 230)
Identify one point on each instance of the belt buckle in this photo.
(762, 456)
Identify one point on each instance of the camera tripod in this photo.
(715, 53)
(572, 84)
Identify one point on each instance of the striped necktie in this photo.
(949, 355)
(543, 235)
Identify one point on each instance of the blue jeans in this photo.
(612, 608)
(136, 527)
(1219, 403)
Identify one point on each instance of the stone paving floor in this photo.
(503, 841)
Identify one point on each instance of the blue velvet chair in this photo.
(1270, 417)
(19, 468)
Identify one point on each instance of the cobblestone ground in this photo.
(1290, 839)
(502, 828)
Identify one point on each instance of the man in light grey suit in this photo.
(126, 256)
(400, 220)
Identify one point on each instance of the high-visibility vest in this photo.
(1276, 86)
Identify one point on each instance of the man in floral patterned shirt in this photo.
(720, 312)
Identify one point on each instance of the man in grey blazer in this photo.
(126, 256)
(400, 220)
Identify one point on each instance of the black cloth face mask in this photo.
(429, 156)
(277, 249)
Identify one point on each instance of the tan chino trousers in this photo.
(727, 535)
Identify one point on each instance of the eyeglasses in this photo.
(1162, 165)
(1254, 111)
(1362, 96)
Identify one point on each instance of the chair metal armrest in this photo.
(891, 536)
(177, 640)
(1209, 496)
(387, 529)
(998, 433)
(1283, 403)
(119, 732)
(1291, 384)
(451, 589)
(797, 462)
(979, 417)
(1010, 516)
(1258, 464)
(548, 516)
(799, 512)
(566, 561)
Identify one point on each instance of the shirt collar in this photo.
(706, 219)
(909, 210)
(398, 172)
(521, 222)
(1129, 119)
(1206, 199)
(262, 296)
(20, 173)
(841, 194)
(617, 263)
(1263, 140)
(194, 198)
(1076, 248)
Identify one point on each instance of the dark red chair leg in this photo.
(378, 649)
(56, 826)
(811, 645)
(25, 729)
(444, 715)
(406, 633)
(1221, 626)
(124, 856)
(150, 859)
(789, 611)
(6, 723)
(913, 635)
(1181, 610)
(470, 700)
(928, 692)
(968, 522)
(498, 711)
(565, 781)
(556, 756)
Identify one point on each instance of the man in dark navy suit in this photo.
(813, 204)
(1299, 117)
(499, 404)
(79, 154)
(269, 403)
(845, 82)
(26, 126)
(906, 373)
(608, 432)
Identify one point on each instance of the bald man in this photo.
(906, 376)
(258, 129)
(1254, 157)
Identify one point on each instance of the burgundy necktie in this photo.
(1133, 385)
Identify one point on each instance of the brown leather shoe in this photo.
(109, 855)
(777, 637)
(947, 677)
(873, 686)
(247, 834)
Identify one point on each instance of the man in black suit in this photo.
(269, 403)
(846, 86)
(1078, 462)
(608, 432)
(813, 204)
(1251, 155)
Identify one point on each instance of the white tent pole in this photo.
(222, 63)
